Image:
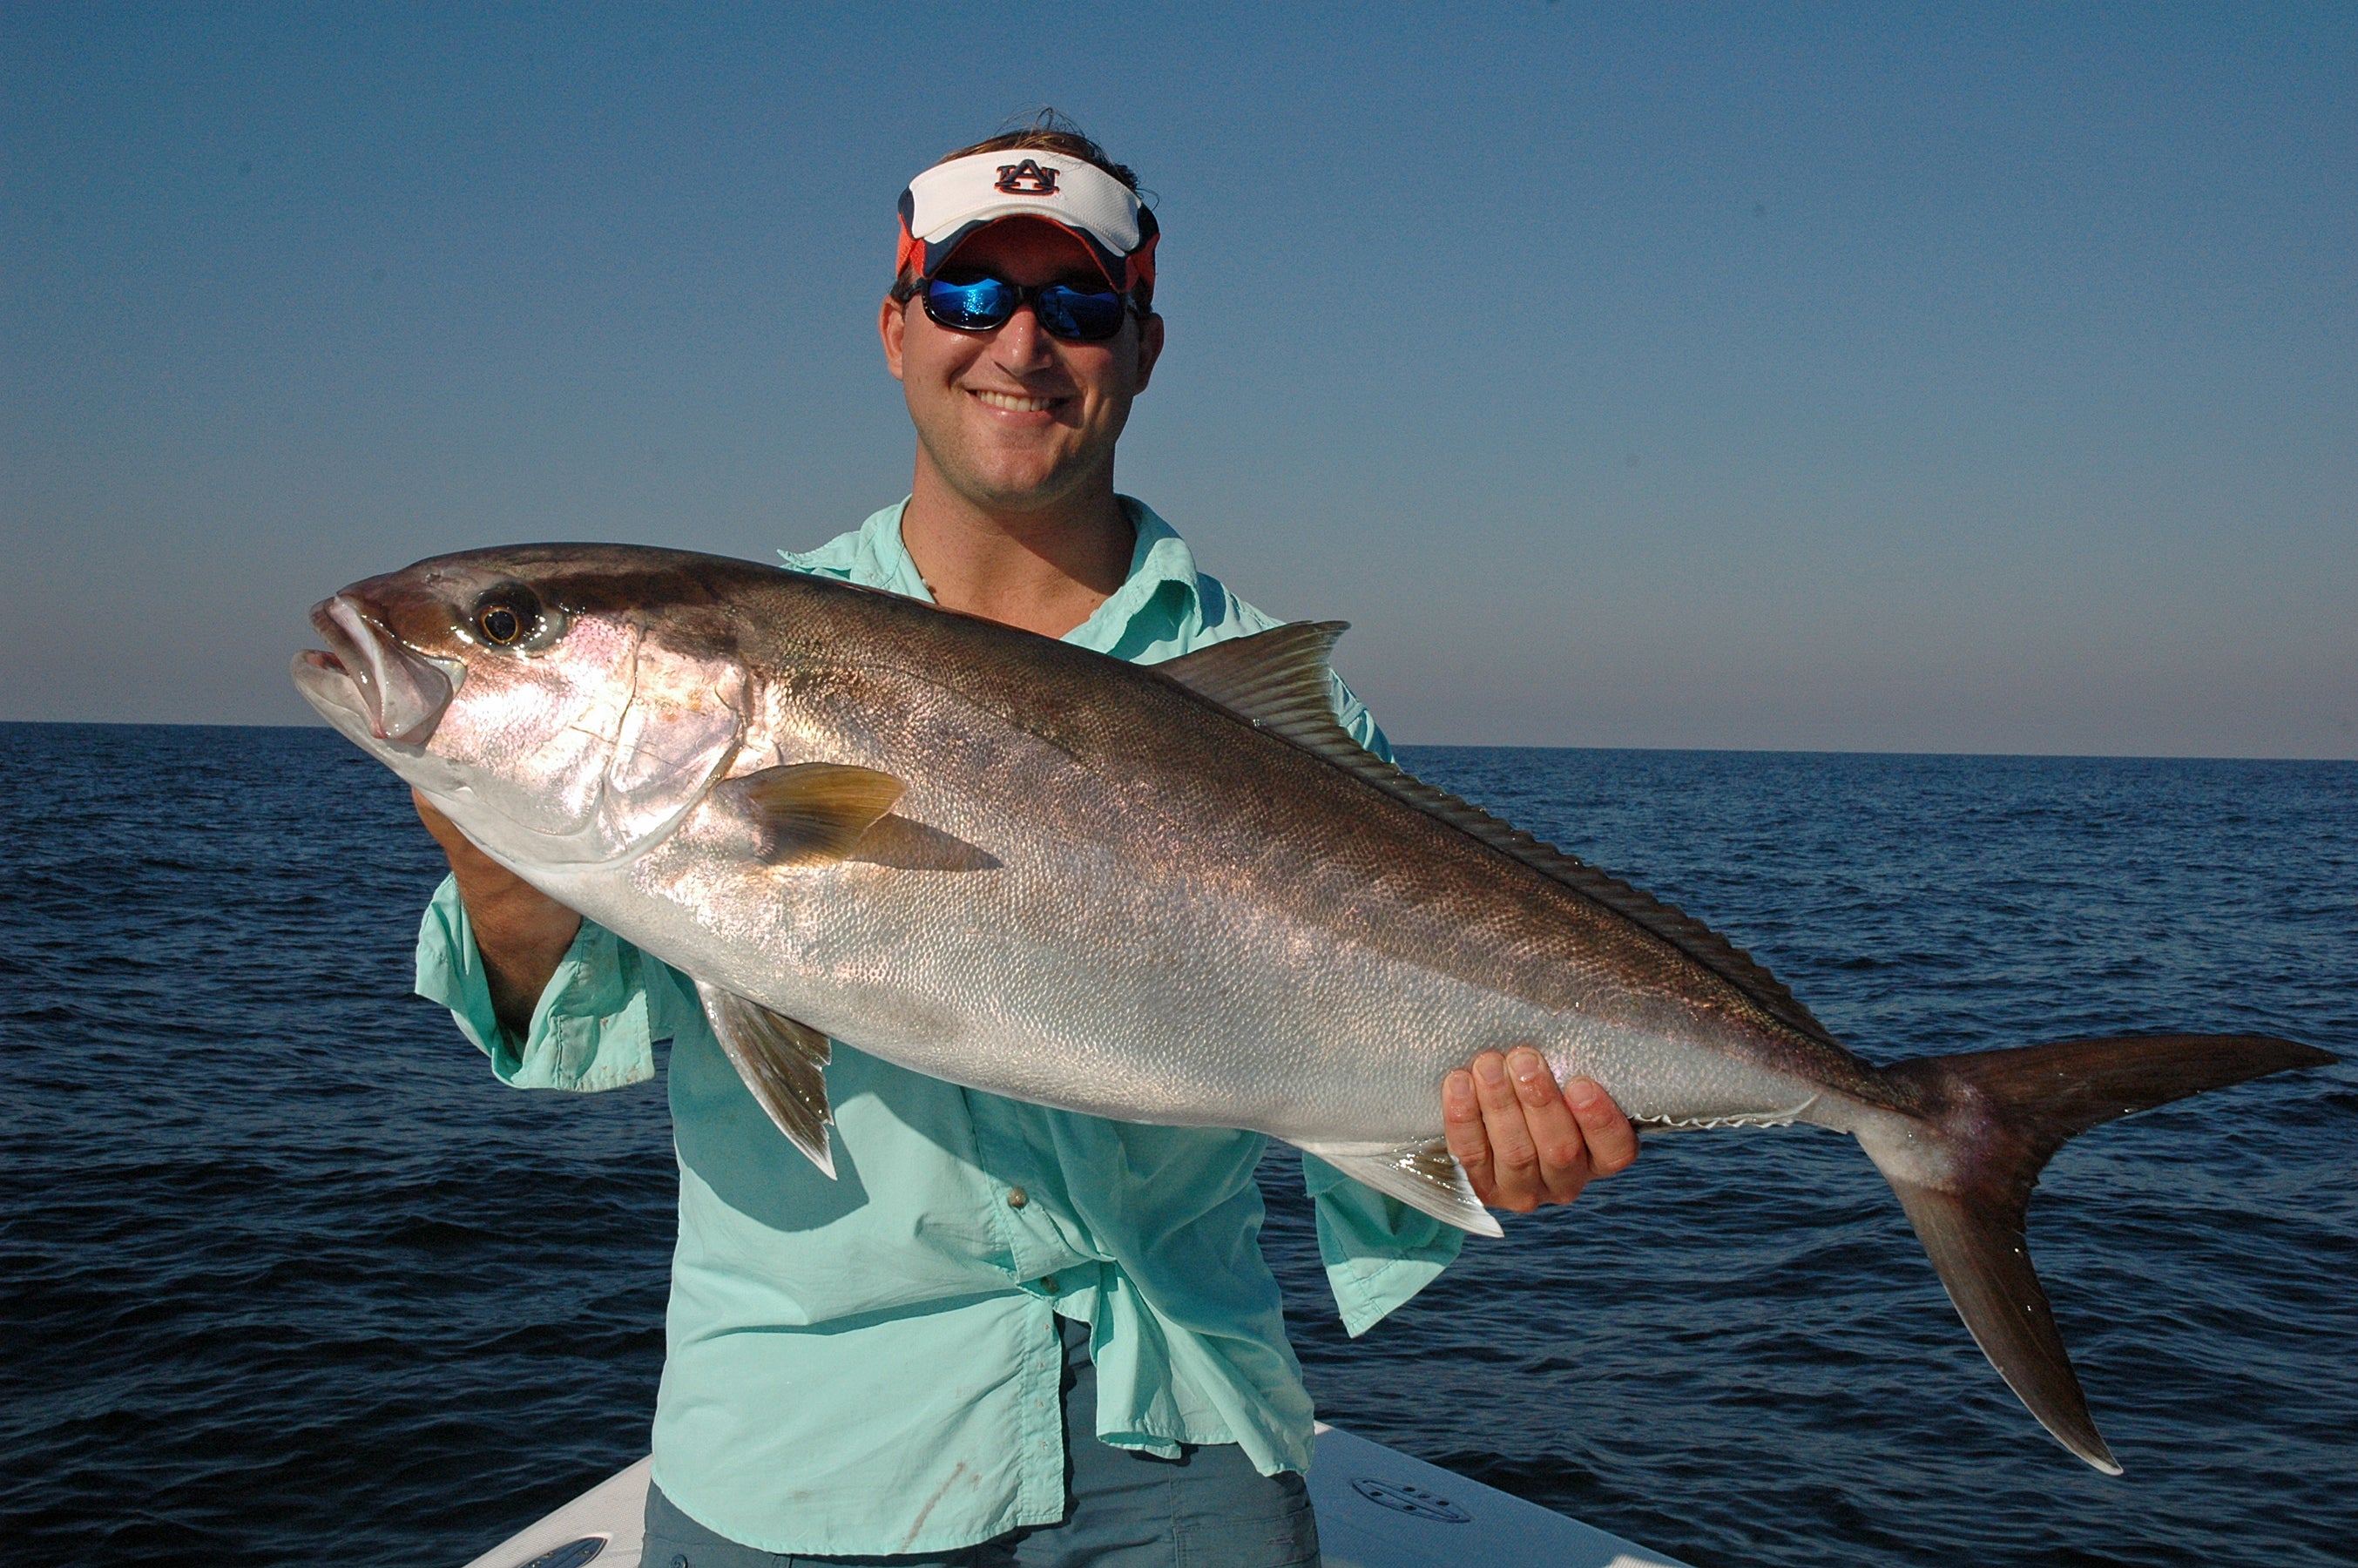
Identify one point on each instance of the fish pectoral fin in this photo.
(1424, 1175)
(810, 813)
(784, 1064)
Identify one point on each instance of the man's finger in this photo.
(1612, 1141)
(1563, 1153)
(1461, 1123)
(1514, 1158)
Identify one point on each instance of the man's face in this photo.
(1014, 419)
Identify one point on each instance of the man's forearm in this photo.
(523, 935)
(521, 932)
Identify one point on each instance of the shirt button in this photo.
(1048, 1283)
(1017, 1197)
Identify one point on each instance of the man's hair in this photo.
(1043, 131)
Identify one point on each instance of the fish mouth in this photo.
(400, 691)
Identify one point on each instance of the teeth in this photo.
(1013, 403)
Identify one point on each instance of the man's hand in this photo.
(521, 932)
(1525, 1142)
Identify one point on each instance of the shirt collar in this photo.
(1159, 561)
(882, 560)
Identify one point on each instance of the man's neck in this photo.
(1045, 571)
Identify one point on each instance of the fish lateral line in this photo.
(1280, 682)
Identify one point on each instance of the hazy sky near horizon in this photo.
(1953, 378)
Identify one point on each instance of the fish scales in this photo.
(1378, 947)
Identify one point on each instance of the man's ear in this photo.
(892, 322)
(1150, 349)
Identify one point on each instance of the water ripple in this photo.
(284, 1278)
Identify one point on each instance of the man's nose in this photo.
(1019, 345)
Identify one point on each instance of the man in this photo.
(1009, 1334)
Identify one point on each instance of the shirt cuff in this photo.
(590, 1029)
(1378, 1252)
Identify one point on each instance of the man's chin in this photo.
(1028, 483)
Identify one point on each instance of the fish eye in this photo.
(506, 616)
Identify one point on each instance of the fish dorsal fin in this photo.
(783, 1064)
(1423, 1174)
(810, 813)
(1278, 680)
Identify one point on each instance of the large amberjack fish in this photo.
(1176, 894)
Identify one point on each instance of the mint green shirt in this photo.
(870, 1365)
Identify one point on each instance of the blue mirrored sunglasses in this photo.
(1079, 315)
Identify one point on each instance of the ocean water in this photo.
(288, 1277)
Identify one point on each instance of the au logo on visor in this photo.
(1026, 179)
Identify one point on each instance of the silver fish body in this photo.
(1176, 894)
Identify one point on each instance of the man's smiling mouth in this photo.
(1015, 403)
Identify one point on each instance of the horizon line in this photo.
(1446, 746)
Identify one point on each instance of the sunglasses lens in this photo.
(1070, 313)
(985, 302)
(974, 306)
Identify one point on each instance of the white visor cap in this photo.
(951, 201)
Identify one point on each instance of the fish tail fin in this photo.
(1964, 1166)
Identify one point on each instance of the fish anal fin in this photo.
(814, 813)
(1423, 1174)
(784, 1064)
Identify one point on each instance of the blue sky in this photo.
(1959, 378)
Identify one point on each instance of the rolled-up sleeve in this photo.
(596, 1023)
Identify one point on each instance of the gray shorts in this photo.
(1207, 1508)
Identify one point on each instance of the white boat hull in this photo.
(1377, 1508)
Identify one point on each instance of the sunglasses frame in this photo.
(1031, 295)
